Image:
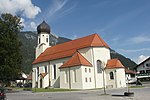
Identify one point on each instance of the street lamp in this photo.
(103, 69)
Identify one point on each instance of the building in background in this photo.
(143, 70)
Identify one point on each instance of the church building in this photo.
(83, 63)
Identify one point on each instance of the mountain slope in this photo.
(29, 42)
(125, 61)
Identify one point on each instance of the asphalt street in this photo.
(112, 94)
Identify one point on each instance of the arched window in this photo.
(39, 40)
(46, 39)
(99, 66)
(45, 69)
(111, 74)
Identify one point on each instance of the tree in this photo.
(10, 57)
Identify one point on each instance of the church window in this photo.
(85, 69)
(111, 74)
(37, 71)
(86, 79)
(46, 39)
(39, 40)
(99, 66)
(54, 71)
(45, 69)
(90, 79)
(89, 70)
(74, 75)
(66, 77)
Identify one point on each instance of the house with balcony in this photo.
(143, 70)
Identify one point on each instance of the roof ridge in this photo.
(79, 54)
(100, 39)
(69, 42)
(75, 60)
(67, 49)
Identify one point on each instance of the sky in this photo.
(123, 24)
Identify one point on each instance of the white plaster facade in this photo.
(119, 78)
(144, 66)
(143, 69)
(76, 77)
(43, 43)
(50, 74)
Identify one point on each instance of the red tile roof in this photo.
(76, 60)
(67, 49)
(127, 71)
(114, 63)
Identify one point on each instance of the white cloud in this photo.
(140, 39)
(22, 22)
(33, 25)
(75, 37)
(56, 6)
(59, 8)
(141, 58)
(19, 7)
(135, 50)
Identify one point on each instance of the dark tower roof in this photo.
(43, 27)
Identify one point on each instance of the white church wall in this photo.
(86, 52)
(92, 54)
(110, 83)
(76, 77)
(88, 81)
(55, 82)
(43, 36)
(102, 54)
(36, 74)
(43, 43)
(64, 78)
(71, 78)
(45, 81)
(119, 78)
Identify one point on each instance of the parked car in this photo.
(27, 85)
(2, 93)
(20, 85)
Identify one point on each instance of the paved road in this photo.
(139, 94)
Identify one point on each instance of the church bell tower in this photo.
(43, 38)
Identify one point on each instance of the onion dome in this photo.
(43, 27)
